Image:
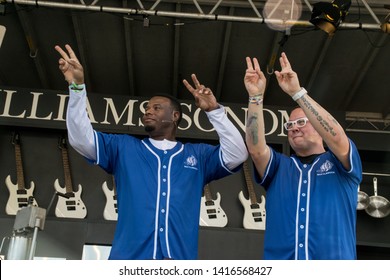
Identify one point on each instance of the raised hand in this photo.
(287, 78)
(204, 97)
(70, 66)
(254, 79)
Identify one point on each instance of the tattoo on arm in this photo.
(253, 127)
(325, 124)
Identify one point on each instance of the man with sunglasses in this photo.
(311, 195)
(159, 181)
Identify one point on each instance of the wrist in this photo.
(213, 108)
(256, 99)
(76, 87)
(299, 94)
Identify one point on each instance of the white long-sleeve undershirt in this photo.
(81, 133)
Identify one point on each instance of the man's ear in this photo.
(175, 116)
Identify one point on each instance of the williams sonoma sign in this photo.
(120, 114)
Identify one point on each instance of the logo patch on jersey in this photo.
(191, 162)
(325, 168)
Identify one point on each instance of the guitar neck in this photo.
(249, 184)
(113, 184)
(67, 176)
(19, 167)
(207, 193)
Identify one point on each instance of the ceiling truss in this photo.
(201, 15)
(376, 124)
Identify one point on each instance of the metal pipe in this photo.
(2, 243)
(371, 12)
(376, 174)
(215, 17)
(34, 240)
(367, 131)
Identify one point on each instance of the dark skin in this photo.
(160, 119)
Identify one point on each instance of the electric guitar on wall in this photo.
(254, 212)
(69, 205)
(211, 213)
(111, 209)
(19, 196)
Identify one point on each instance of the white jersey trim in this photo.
(168, 199)
(297, 211)
(157, 201)
(307, 220)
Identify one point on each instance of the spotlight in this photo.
(328, 16)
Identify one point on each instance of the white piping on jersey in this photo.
(168, 199)
(307, 209)
(350, 157)
(157, 201)
(222, 163)
(97, 147)
(268, 167)
(297, 212)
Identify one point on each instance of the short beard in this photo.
(149, 128)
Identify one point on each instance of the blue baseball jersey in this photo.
(311, 208)
(158, 194)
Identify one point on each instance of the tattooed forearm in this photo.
(253, 128)
(325, 124)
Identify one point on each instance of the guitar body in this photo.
(72, 207)
(211, 213)
(18, 198)
(254, 214)
(110, 210)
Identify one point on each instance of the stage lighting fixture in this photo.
(385, 26)
(328, 16)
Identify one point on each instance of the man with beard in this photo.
(159, 180)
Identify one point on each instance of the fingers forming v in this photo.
(68, 57)
(257, 65)
(61, 52)
(249, 65)
(195, 80)
(188, 86)
(71, 52)
(284, 61)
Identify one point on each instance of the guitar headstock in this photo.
(15, 138)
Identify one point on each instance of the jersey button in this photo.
(164, 194)
(302, 209)
(301, 245)
(161, 229)
(163, 211)
(164, 166)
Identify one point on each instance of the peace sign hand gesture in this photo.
(287, 78)
(204, 97)
(254, 79)
(70, 66)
